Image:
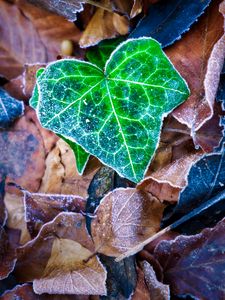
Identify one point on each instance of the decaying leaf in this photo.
(141, 290)
(42, 208)
(35, 41)
(16, 215)
(206, 180)
(166, 21)
(157, 290)
(60, 259)
(103, 25)
(204, 47)
(124, 218)
(22, 153)
(194, 265)
(10, 109)
(61, 176)
(167, 182)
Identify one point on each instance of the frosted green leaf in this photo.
(115, 114)
(99, 54)
(81, 156)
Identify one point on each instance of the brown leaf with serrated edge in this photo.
(25, 292)
(103, 25)
(167, 182)
(124, 218)
(42, 208)
(204, 47)
(157, 290)
(27, 36)
(61, 176)
(195, 264)
(61, 259)
(16, 215)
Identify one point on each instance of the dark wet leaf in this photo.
(166, 21)
(121, 279)
(195, 264)
(206, 181)
(10, 109)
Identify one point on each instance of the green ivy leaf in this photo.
(99, 54)
(115, 114)
(81, 156)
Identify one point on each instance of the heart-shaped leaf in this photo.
(116, 113)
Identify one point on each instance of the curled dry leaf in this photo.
(103, 25)
(61, 176)
(204, 46)
(16, 215)
(167, 182)
(124, 218)
(35, 41)
(157, 290)
(195, 264)
(60, 259)
(42, 208)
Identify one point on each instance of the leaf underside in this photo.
(115, 114)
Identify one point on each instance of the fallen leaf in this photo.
(206, 180)
(157, 290)
(103, 25)
(121, 277)
(25, 292)
(61, 176)
(16, 216)
(26, 36)
(7, 255)
(23, 153)
(141, 290)
(124, 218)
(22, 86)
(42, 208)
(60, 259)
(167, 182)
(194, 265)
(67, 9)
(10, 109)
(202, 74)
(166, 21)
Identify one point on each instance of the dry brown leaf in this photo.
(204, 47)
(157, 290)
(42, 208)
(141, 291)
(23, 153)
(124, 218)
(61, 176)
(61, 260)
(103, 25)
(22, 86)
(16, 215)
(167, 182)
(30, 35)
